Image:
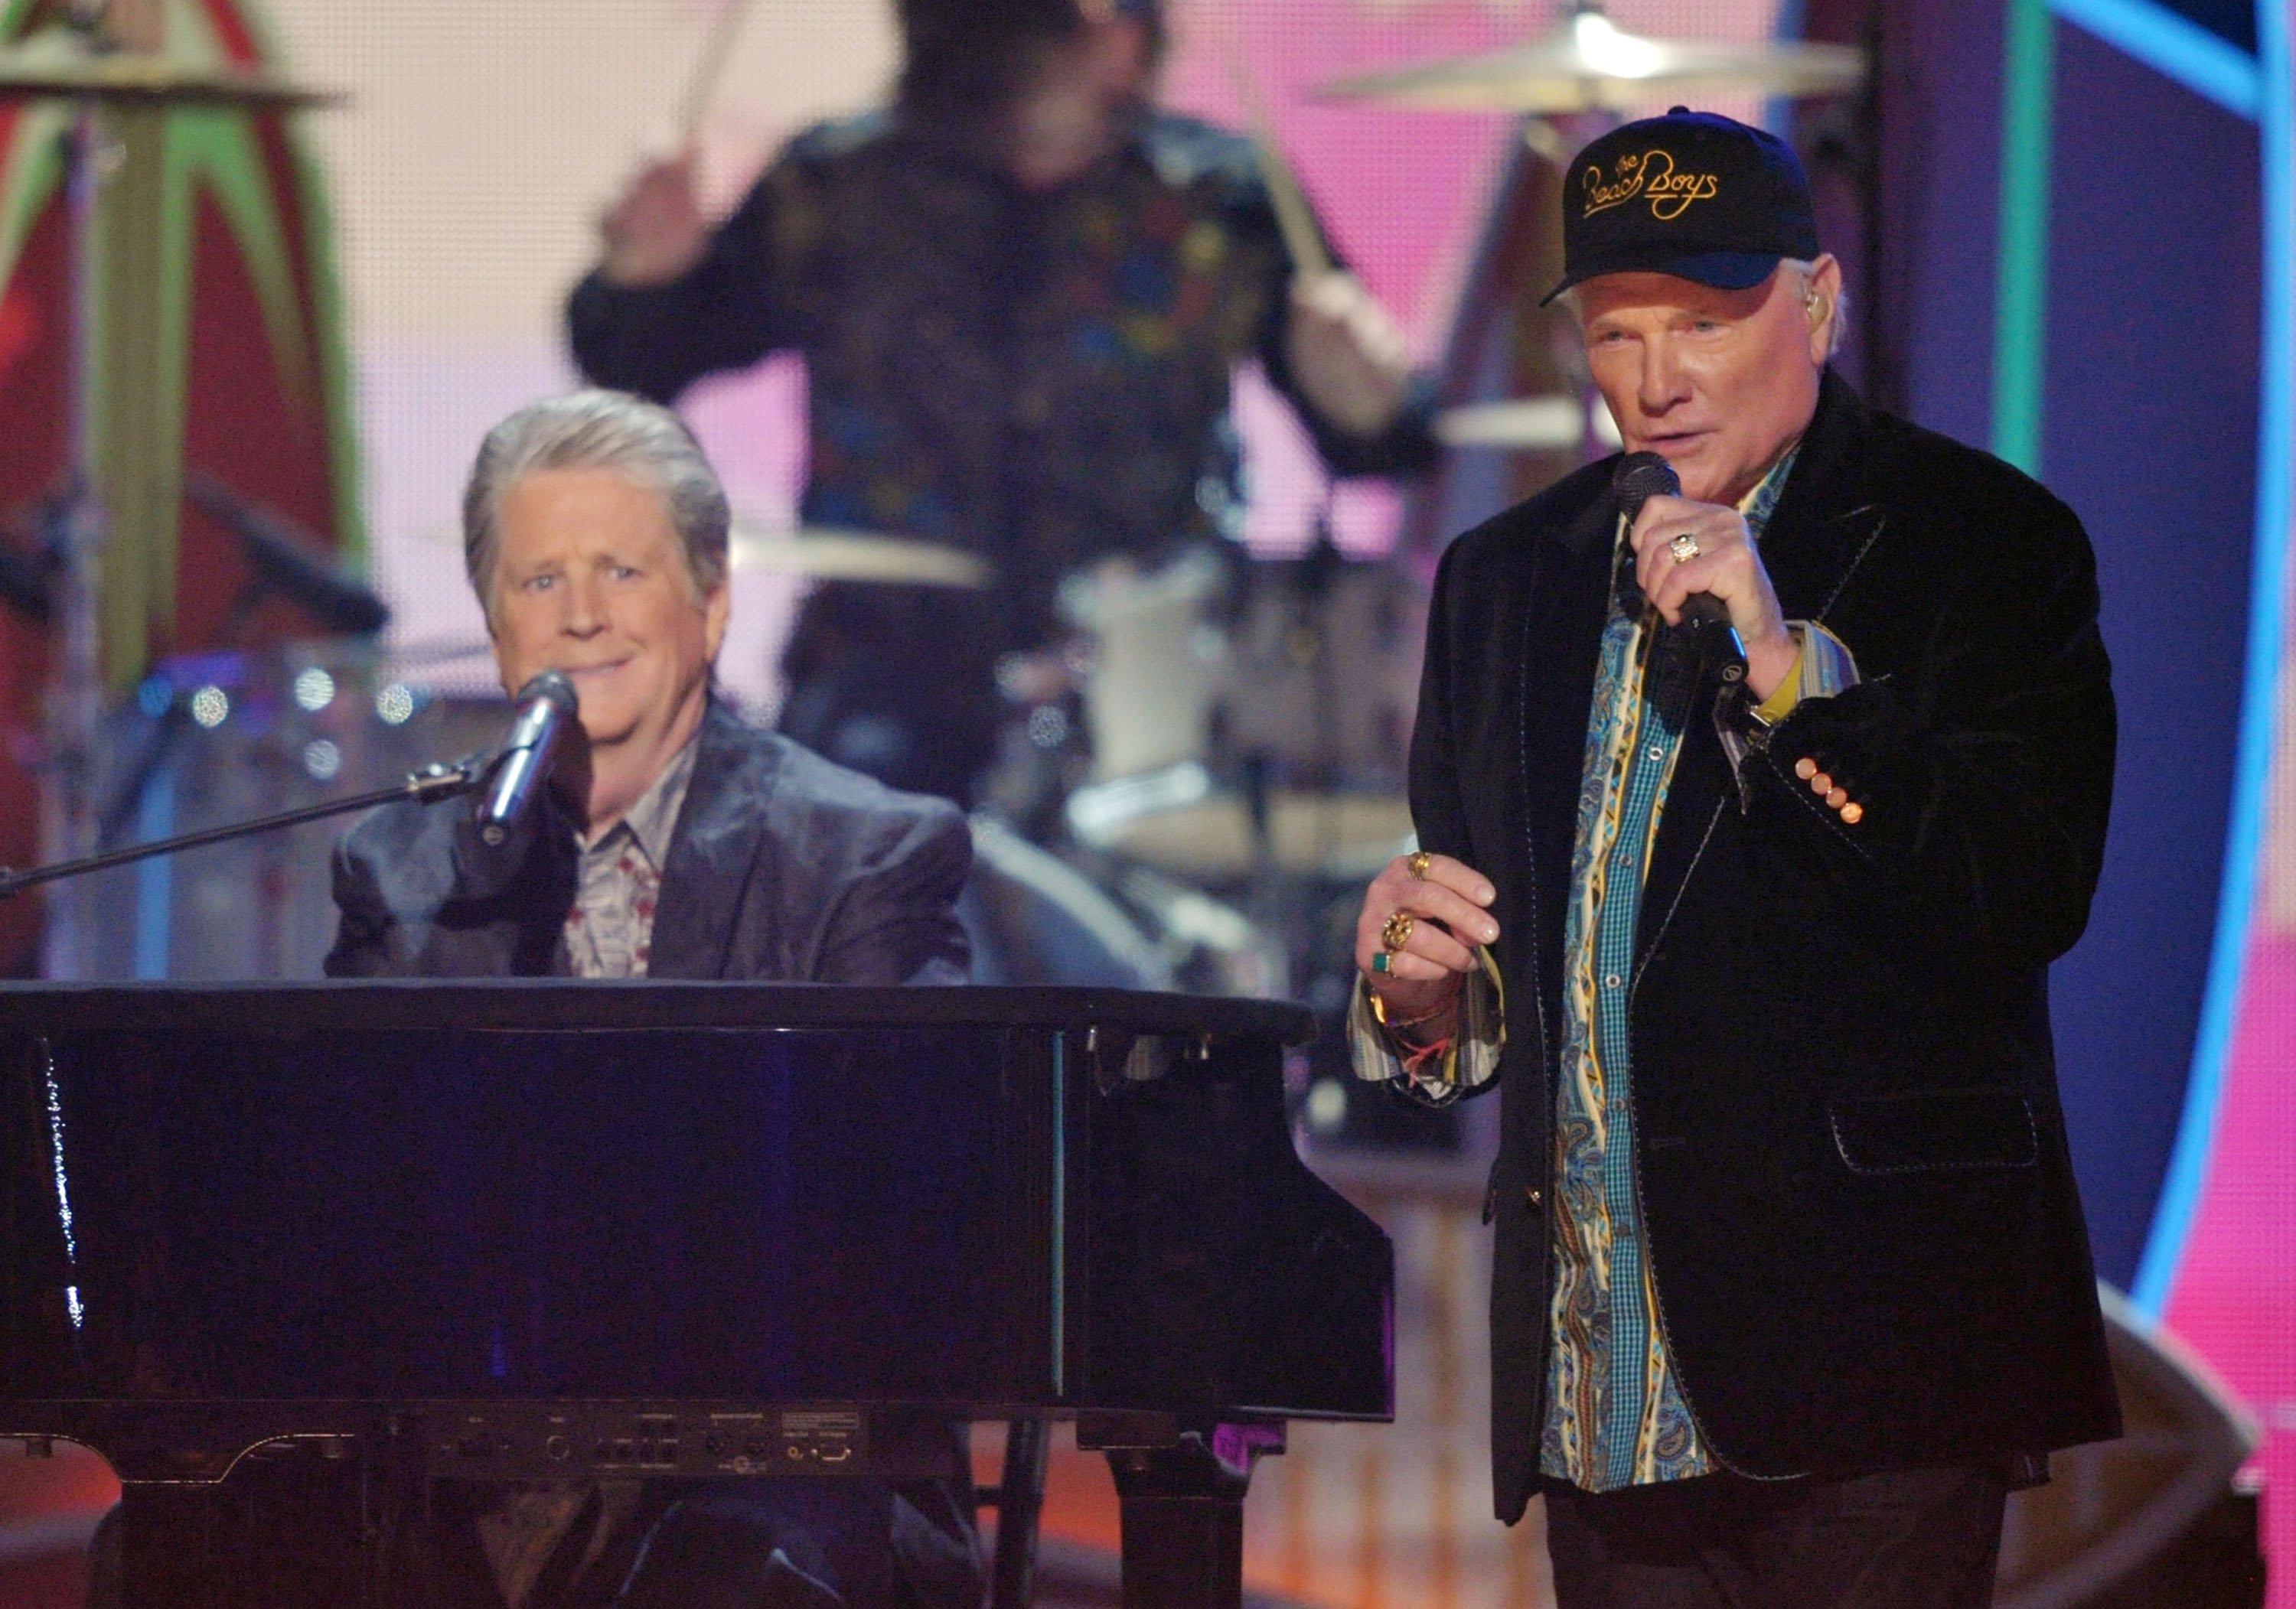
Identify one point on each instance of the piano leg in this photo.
(1182, 1510)
(172, 1545)
(332, 1523)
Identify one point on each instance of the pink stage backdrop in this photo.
(2234, 1298)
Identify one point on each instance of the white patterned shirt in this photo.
(610, 929)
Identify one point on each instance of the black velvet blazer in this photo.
(1868, 1243)
(781, 868)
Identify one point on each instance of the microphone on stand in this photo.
(546, 706)
(281, 557)
(1705, 618)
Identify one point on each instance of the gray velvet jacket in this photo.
(783, 868)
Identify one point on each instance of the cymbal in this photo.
(1587, 63)
(826, 553)
(54, 68)
(829, 553)
(1522, 424)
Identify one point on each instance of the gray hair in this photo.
(1808, 270)
(596, 429)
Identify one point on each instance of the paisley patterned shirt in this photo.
(1615, 1413)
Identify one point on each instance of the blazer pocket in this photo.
(1934, 1131)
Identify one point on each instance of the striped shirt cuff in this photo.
(1822, 667)
(1471, 1061)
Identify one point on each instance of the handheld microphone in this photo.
(546, 706)
(1705, 618)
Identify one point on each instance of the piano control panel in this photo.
(562, 1441)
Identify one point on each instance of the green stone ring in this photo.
(1379, 961)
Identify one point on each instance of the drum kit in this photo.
(82, 64)
(1247, 738)
(1232, 734)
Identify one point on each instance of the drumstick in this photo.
(1294, 220)
(710, 68)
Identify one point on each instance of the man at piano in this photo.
(679, 841)
(674, 840)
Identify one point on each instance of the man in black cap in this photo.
(1020, 293)
(1791, 1283)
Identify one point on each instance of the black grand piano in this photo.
(550, 1229)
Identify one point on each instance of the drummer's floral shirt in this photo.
(1042, 378)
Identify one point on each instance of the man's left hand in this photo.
(1725, 563)
(1346, 353)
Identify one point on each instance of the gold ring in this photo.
(1395, 933)
(1415, 864)
(1685, 548)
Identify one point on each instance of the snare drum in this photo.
(1157, 663)
(1278, 742)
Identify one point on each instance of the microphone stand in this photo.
(428, 786)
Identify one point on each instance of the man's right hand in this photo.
(1422, 980)
(655, 232)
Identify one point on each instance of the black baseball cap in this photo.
(1692, 193)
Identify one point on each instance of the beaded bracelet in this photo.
(1379, 1012)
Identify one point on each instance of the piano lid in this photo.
(568, 1003)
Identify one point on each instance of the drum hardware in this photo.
(1253, 755)
(1271, 748)
(284, 558)
(1099, 811)
(1214, 947)
(1226, 839)
(1046, 676)
(27, 573)
(71, 65)
(428, 785)
(206, 740)
(1523, 424)
(833, 553)
(826, 553)
(1587, 63)
(1035, 917)
(78, 63)
(1154, 669)
(1547, 141)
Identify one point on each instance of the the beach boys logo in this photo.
(1651, 176)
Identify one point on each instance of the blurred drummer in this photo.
(1019, 293)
